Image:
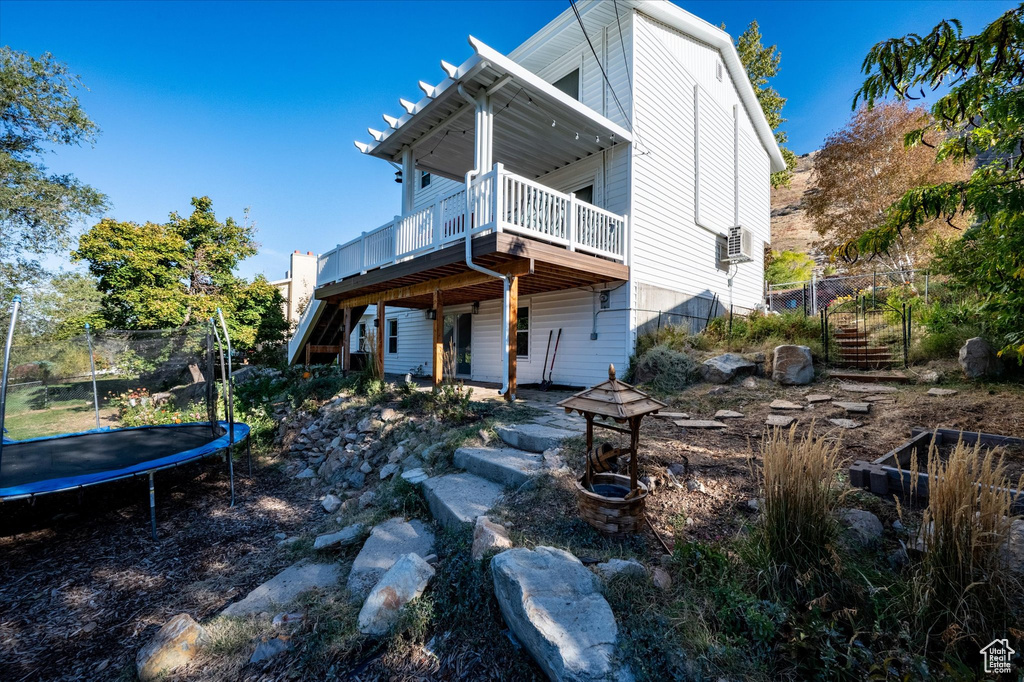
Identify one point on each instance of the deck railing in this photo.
(499, 201)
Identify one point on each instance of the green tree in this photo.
(788, 266)
(762, 64)
(38, 111)
(156, 276)
(60, 308)
(978, 120)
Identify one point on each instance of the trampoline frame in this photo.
(219, 443)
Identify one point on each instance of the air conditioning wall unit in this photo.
(741, 245)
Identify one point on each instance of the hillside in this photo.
(791, 228)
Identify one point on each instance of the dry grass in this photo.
(963, 583)
(799, 482)
(374, 366)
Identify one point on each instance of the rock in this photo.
(280, 536)
(662, 580)
(554, 607)
(863, 526)
(345, 536)
(365, 467)
(615, 567)
(288, 541)
(488, 535)
(749, 382)
(780, 404)
(818, 398)
(699, 424)
(306, 473)
(458, 499)
(396, 454)
(285, 587)
(671, 415)
(845, 423)
(867, 388)
(331, 503)
(754, 504)
(1013, 550)
(726, 367)
(535, 437)
(388, 470)
(780, 420)
(978, 360)
(898, 526)
(695, 486)
(930, 376)
(679, 469)
(400, 584)
(718, 390)
(941, 392)
(792, 365)
(728, 414)
(283, 619)
(853, 408)
(174, 645)
(415, 476)
(269, 648)
(411, 462)
(650, 481)
(369, 425)
(366, 499)
(899, 558)
(356, 479)
(387, 542)
(388, 415)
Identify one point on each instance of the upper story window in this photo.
(424, 179)
(585, 194)
(569, 84)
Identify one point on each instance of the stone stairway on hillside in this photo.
(459, 498)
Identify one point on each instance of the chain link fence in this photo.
(810, 297)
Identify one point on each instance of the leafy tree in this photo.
(156, 276)
(862, 169)
(60, 309)
(788, 266)
(762, 64)
(978, 120)
(38, 110)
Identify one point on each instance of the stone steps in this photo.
(535, 437)
(505, 466)
(458, 499)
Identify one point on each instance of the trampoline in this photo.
(31, 467)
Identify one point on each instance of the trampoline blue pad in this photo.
(45, 465)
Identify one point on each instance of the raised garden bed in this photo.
(890, 474)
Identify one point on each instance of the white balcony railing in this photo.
(499, 201)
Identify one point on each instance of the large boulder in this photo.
(792, 365)
(861, 526)
(724, 368)
(1013, 549)
(554, 607)
(978, 360)
(403, 582)
(175, 644)
(388, 542)
(284, 587)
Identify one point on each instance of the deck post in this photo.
(381, 331)
(570, 221)
(438, 367)
(513, 322)
(346, 342)
(408, 183)
(499, 196)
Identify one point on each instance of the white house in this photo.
(613, 166)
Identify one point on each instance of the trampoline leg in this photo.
(248, 453)
(152, 505)
(231, 473)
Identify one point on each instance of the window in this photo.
(361, 336)
(392, 336)
(722, 253)
(424, 179)
(569, 84)
(523, 332)
(585, 194)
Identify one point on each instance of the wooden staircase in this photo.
(856, 351)
(323, 344)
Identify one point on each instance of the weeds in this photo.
(664, 370)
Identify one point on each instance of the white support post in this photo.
(394, 245)
(436, 214)
(408, 181)
(499, 196)
(570, 221)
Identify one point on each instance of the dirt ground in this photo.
(83, 586)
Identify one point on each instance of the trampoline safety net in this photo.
(113, 378)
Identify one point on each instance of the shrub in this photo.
(664, 369)
(963, 583)
(676, 337)
(798, 478)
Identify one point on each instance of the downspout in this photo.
(506, 283)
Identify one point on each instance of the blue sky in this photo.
(256, 104)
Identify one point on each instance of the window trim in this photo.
(575, 64)
(361, 337)
(392, 324)
(425, 175)
(527, 331)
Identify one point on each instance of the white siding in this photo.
(415, 334)
(668, 249)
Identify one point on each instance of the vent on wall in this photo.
(718, 70)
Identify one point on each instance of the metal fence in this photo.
(810, 297)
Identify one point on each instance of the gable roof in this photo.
(598, 13)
